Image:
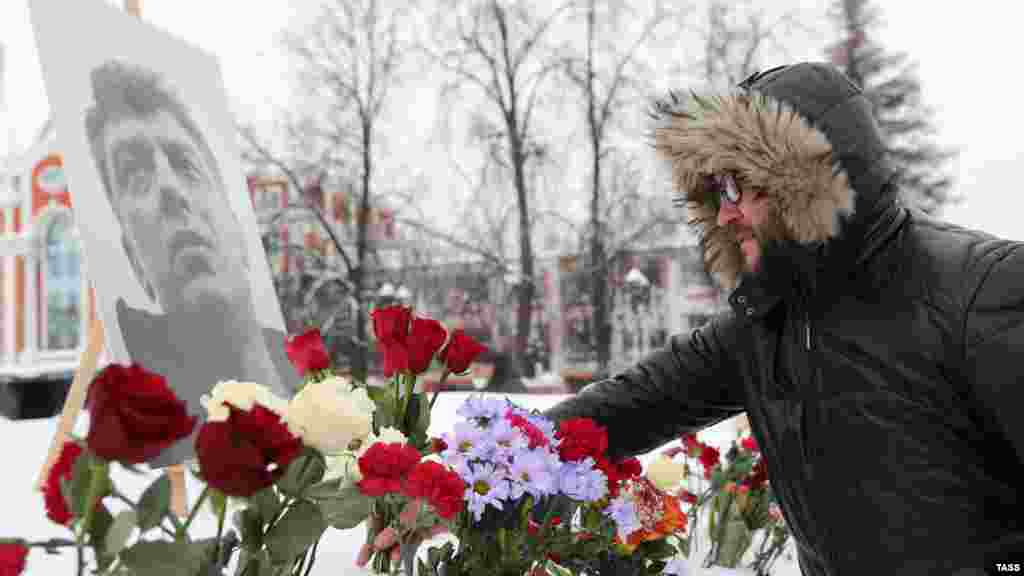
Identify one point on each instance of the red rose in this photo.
(581, 437)
(391, 327)
(384, 466)
(426, 336)
(246, 453)
(134, 415)
(709, 457)
(442, 488)
(12, 558)
(460, 352)
(56, 505)
(687, 496)
(534, 434)
(749, 444)
(307, 352)
(631, 468)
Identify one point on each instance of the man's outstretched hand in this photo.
(388, 540)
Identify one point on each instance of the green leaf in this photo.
(165, 558)
(98, 528)
(384, 415)
(249, 526)
(81, 479)
(155, 503)
(266, 504)
(255, 564)
(346, 509)
(299, 528)
(120, 531)
(657, 549)
(736, 541)
(328, 489)
(423, 420)
(302, 473)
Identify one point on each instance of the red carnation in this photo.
(442, 488)
(709, 457)
(246, 453)
(384, 466)
(460, 352)
(581, 437)
(534, 434)
(56, 505)
(12, 558)
(692, 445)
(307, 352)
(749, 444)
(134, 415)
(758, 475)
(631, 468)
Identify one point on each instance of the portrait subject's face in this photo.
(172, 212)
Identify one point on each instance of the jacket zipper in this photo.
(807, 331)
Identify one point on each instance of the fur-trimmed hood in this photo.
(803, 135)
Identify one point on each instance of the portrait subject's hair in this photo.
(123, 91)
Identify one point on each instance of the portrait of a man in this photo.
(184, 243)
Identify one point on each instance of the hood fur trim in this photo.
(769, 147)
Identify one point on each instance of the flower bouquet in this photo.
(285, 468)
(252, 451)
(738, 500)
(541, 499)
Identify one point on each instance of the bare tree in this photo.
(498, 47)
(609, 76)
(349, 60)
(890, 81)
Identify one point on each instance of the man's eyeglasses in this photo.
(723, 189)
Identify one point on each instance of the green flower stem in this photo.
(183, 531)
(410, 384)
(80, 548)
(444, 376)
(222, 510)
(97, 484)
(312, 558)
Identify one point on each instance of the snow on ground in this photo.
(22, 513)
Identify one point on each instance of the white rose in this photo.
(665, 472)
(241, 395)
(346, 464)
(329, 415)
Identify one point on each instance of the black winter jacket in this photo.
(879, 354)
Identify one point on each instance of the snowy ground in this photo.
(22, 513)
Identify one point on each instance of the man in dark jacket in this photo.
(872, 348)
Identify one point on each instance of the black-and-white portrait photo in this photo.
(153, 164)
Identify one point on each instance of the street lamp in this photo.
(638, 286)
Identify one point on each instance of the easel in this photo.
(80, 384)
(73, 407)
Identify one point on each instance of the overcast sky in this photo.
(967, 68)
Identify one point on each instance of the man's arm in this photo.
(692, 383)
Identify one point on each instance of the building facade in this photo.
(46, 304)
